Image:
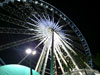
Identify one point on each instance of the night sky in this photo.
(85, 15)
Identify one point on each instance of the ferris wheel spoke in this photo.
(46, 58)
(72, 59)
(59, 61)
(37, 10)
(55, 65)
(57, 24)
(16, 31)
(65, 49)
(74, 44)
(23, 9)
(16, 43)
(32, 20)
(63, 42)
(45, 11)
(61, 56)
(74, 51)
(15, 21)
(26, 8)
(72, 37)
(68, 46)
(63, 25)
(40, 61)
(68, 31)
(52, 14)
(14, 12)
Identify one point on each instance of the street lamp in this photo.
(28, 51)
(34, 52)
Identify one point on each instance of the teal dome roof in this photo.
(16, 70)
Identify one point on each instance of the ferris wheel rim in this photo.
(71, 24)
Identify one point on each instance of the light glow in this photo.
(34, 52)
(28, 51)
(44, 26)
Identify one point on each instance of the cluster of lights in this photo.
(44, 27)
(29, 51)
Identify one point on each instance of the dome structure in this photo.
(15, 69)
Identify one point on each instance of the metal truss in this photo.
(16, 43)
(16, 31)
(15, 21)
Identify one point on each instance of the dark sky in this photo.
(85, 15)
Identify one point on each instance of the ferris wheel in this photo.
(62, 45)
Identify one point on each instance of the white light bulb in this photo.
(28, 51)
(34, 52)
